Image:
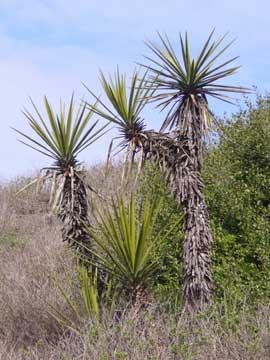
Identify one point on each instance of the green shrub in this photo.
(237, 179)
(238, 194)
(169, 250)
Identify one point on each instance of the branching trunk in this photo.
(180, 160)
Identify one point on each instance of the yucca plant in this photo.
(127, 236)
(182, 86)
(62, 138)
(84, 298)
(126, 106)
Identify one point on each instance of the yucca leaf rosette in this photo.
(62, 137)
(126, 104)
(183, 83)
(127, 237)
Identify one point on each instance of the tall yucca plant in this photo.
(183, 85)
(125, 110)
(62, 138)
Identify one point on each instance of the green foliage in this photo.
(125, 110)
(87, 301)
(127, 107)
(183, 83)
(9, 239)
(238, 193)
(126, 239)
(169, 249)
(60, 136)
(237, 179)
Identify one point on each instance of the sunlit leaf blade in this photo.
(125, 102)
(59, 136)
(184, 83)
(126, 241)
(84, 299)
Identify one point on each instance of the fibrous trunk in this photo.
(73, 213)
(180, 159)
(187, 187)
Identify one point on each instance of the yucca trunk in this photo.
(139, 297)
(180, 159)
(197, 275)
(73, 213)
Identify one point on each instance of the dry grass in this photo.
(31, 250)
(155, 335)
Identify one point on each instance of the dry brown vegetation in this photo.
(31, 250)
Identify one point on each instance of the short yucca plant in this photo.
(127, 238)
(62, 137)
(84, 298)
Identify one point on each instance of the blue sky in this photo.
(51, 46)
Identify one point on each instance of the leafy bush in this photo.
(236, 174)
(169, 249)
(238, 193)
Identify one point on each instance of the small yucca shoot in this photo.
(85, 302)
